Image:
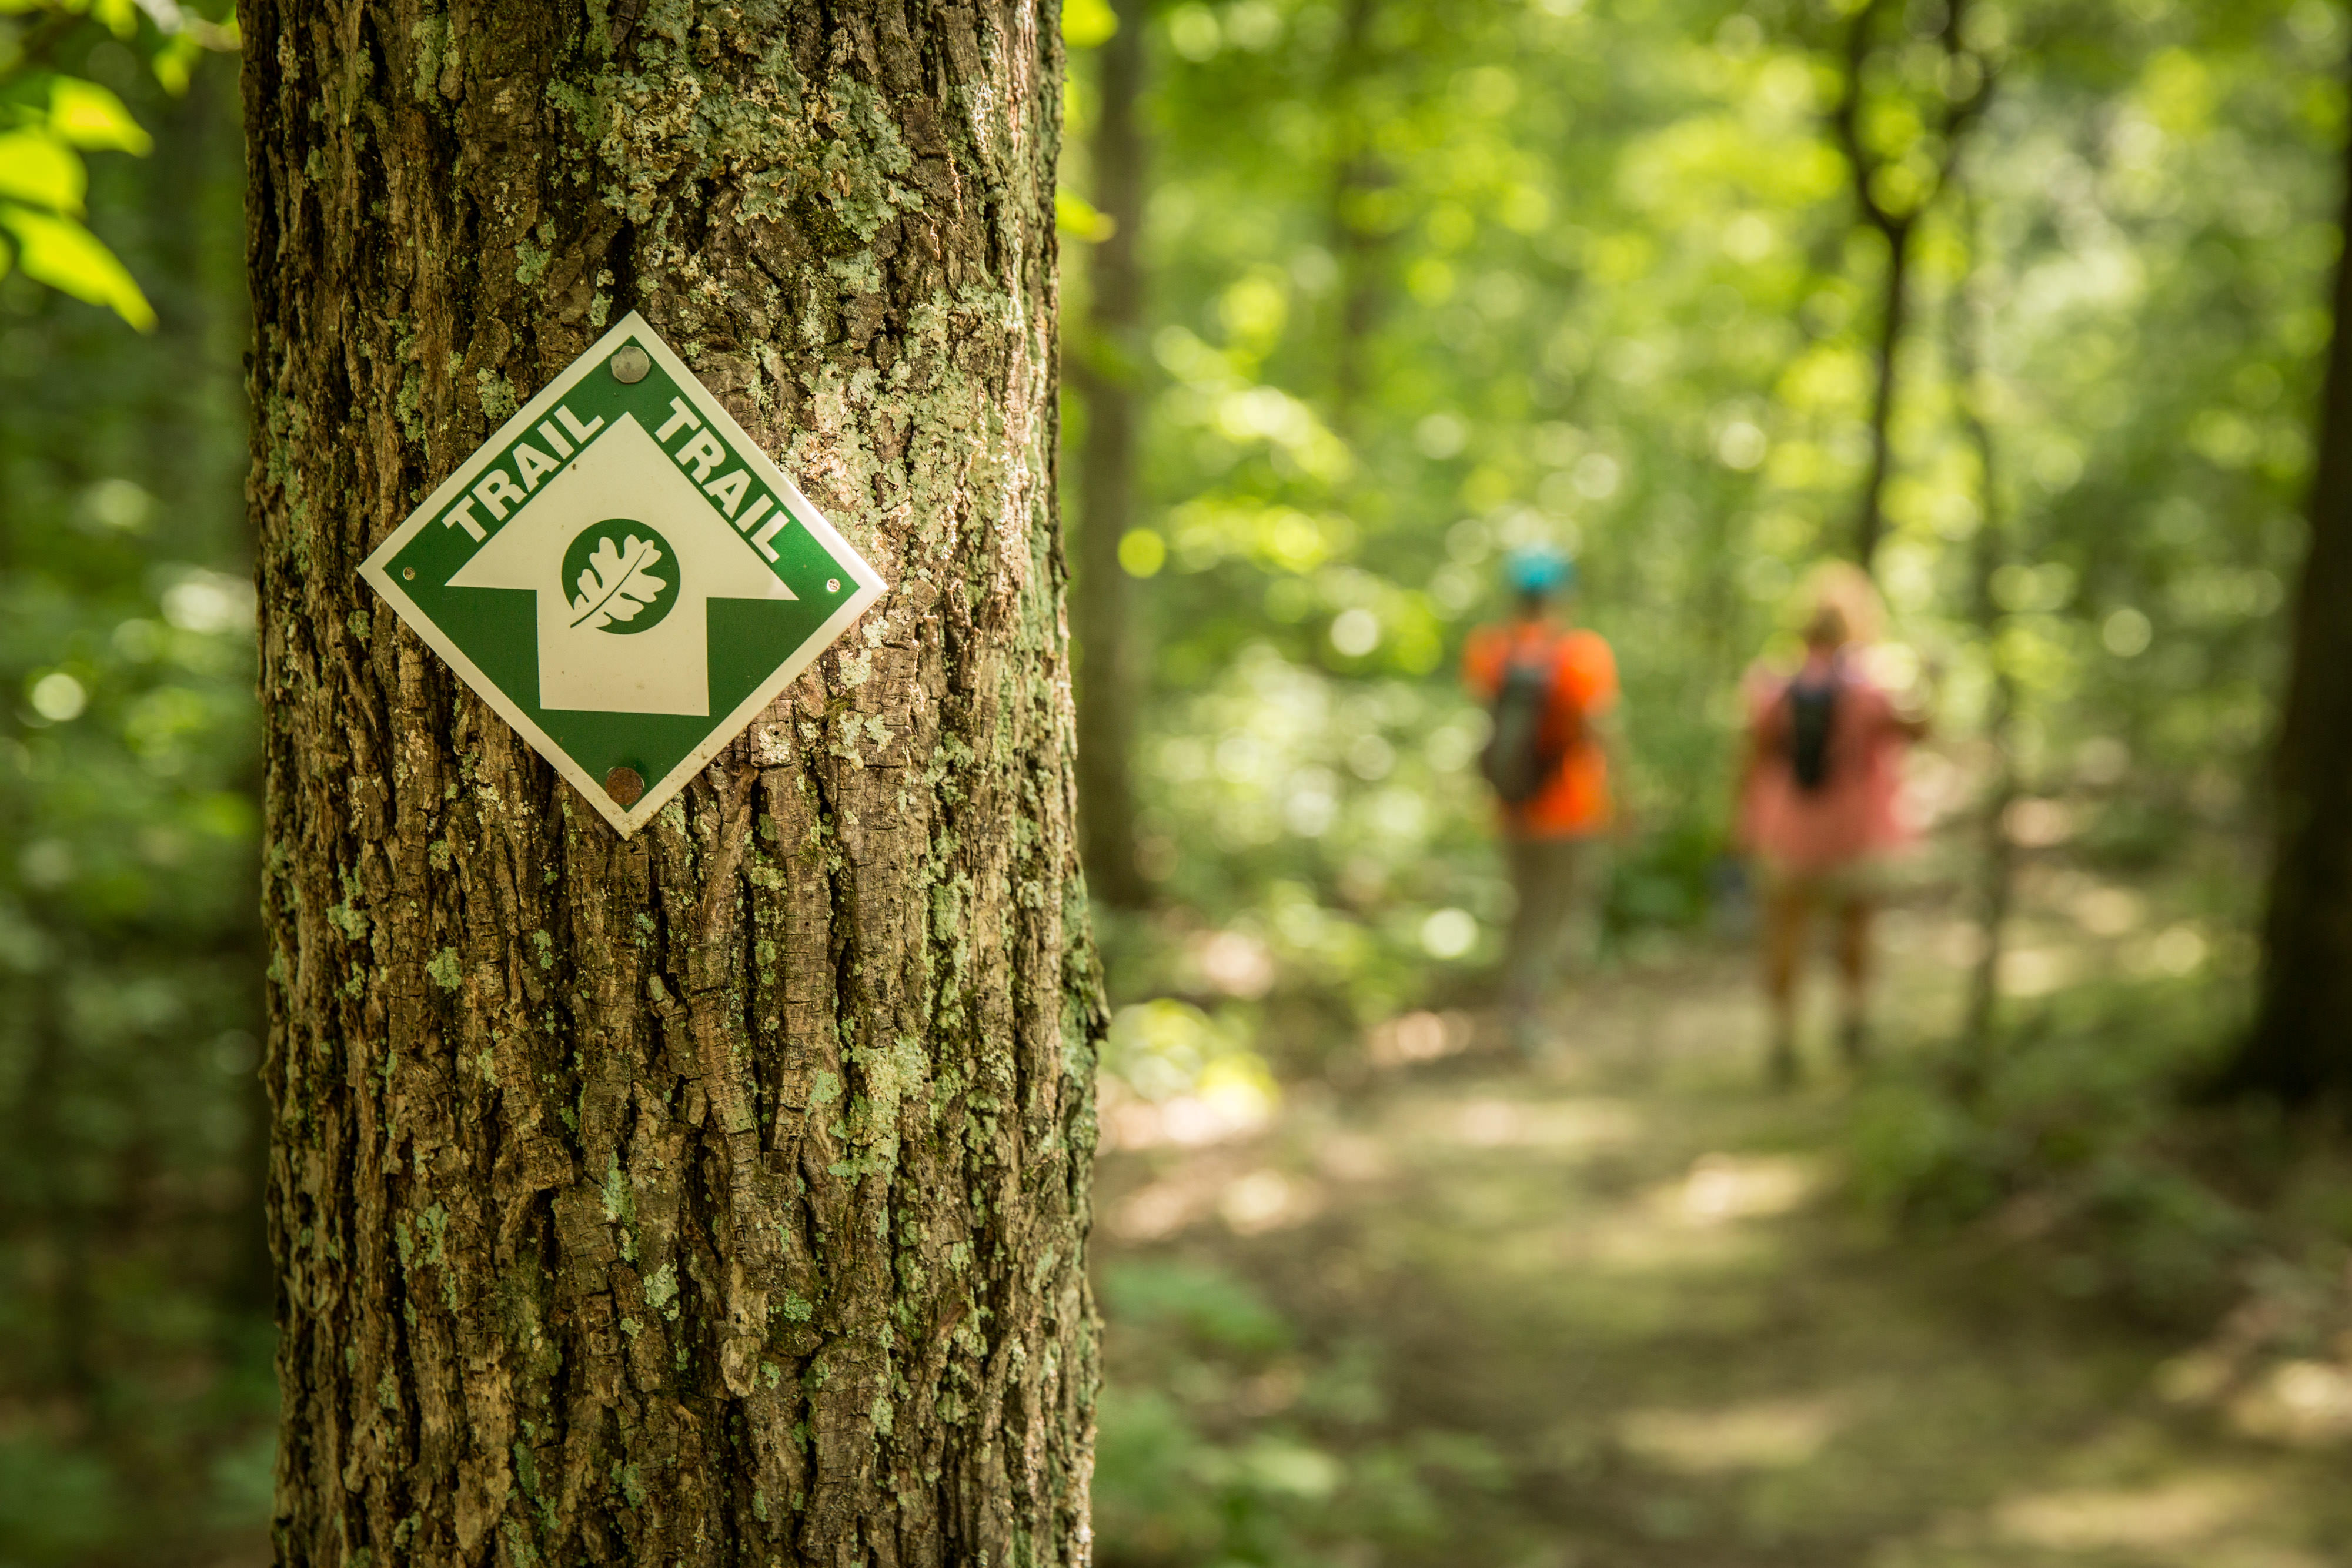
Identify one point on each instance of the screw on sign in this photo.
(630, 364)
(622, 575)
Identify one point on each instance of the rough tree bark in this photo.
(1110, 358)
(2300, 1048)
(719, 1196)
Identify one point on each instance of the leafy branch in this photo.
(50, 118)
(1964, 92)
(1873, 170)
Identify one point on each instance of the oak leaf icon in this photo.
(616, 585)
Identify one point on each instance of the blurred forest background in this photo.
(2025, 305)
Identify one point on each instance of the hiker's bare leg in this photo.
(1854, 917)
(1786, 906)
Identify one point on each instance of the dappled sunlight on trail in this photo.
(1619, 1309)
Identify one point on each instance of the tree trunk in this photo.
(2300, 1048)
(1997, 870)
(1870, 522)
(1355, 245)
(53, 1205)
(1102, 609)
(719, 1196)
(1898, 224)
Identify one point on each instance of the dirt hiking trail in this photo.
(1625, 1283)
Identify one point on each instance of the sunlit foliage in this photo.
(50, 116)
(134, 1284)
(1429, 282)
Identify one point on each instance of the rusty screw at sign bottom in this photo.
(624, 785)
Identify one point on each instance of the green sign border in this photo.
(490, 635)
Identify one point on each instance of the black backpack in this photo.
(1524, 748)
(1813, 712)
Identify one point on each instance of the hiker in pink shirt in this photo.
(1818, 811)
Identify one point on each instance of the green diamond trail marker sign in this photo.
(622, 574)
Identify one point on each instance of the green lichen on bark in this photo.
(719, 1196)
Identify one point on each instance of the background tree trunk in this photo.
(1955, 107)
(719, 1196)
(1110, 361)
(2301, 1045)
(1969, 320)
(1893, 311)
(1356, 245)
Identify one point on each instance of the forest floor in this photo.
(1613, 1310)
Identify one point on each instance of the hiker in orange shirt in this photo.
(1551, 689)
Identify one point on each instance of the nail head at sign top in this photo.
(832, 585)
(409, 572)
(631, 364)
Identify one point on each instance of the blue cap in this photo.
(1539, 569)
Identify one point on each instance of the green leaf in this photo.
(33, 168)
(1081, 219)
(174, 62)
(84, 114)
(1087, 22)
(119, 18)
(69, 258)
(175, 59)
